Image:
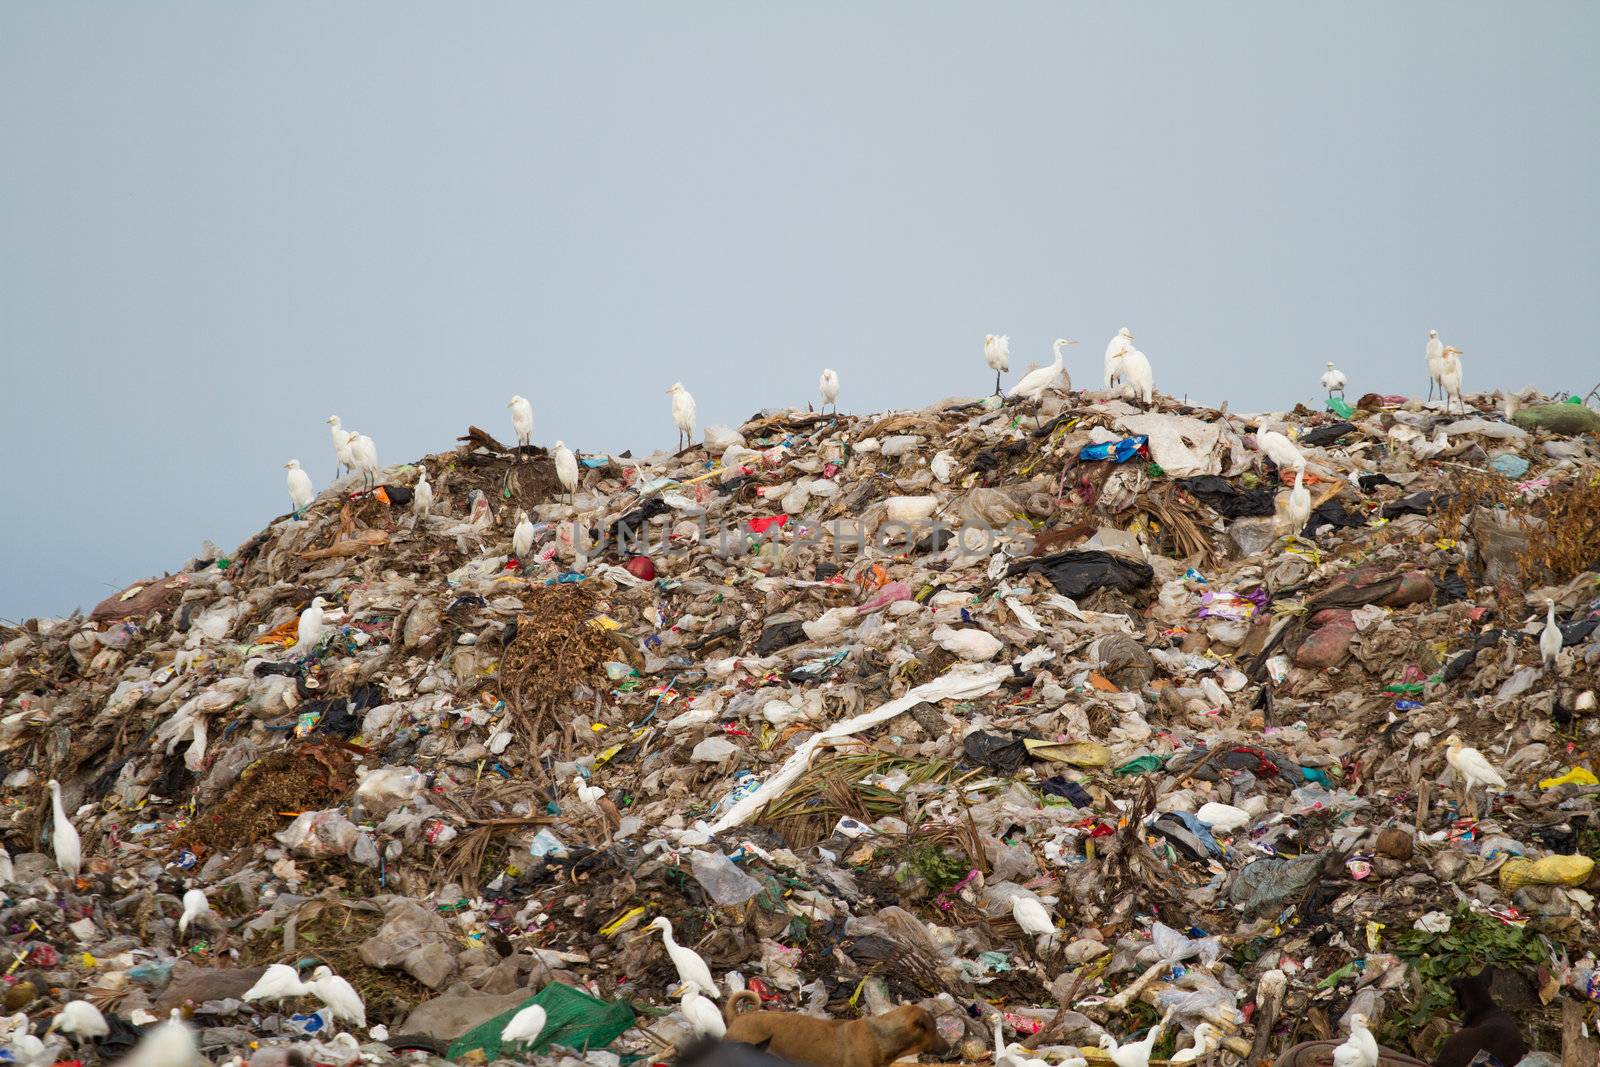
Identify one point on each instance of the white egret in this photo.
(828, 386)
(1035, 383)
(64, 836)
(171, 1044)
(997, 353)
(1137, 1053)
(1333, 381)
(704, 1016)
(522, 537)
(1278, 448)
(301, 493)
(692, 970)
(1206, 1040)
(365, 454)
(280, 982)
(1137, 375)
(1299, 512)
(1434, 354)
(1450, 378)
(525, 1026)
(341, 443)
(588, 795)
(1034, 918)
(1473, 767)
(522, 420)
(312, 627)
(80, 1019)
(195, 905)
(683, 412)
(1360, 1049)
(8, 872)
(338, 995)
(1550, 637)
(1119, 344)
(566, 467)
(422, 496)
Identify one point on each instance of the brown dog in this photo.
(874, 1042)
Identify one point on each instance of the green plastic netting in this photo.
(573, 1019)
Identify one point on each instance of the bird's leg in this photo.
(996, 383)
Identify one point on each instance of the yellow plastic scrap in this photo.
(629, 918)
(1575, 776)
(1552, 870)
(1077, 753)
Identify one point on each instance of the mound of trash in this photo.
(1079, 722)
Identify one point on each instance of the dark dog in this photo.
(1484, 1027)
(874, 1042)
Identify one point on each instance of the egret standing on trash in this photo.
(301, 494)
(1434, 354)
(997, 353)
(312, 626)
(1035, 383)
(1299, 502)
(828, 386)
(1136, 375)
(525, 1026)
(1278, 448)
(1550, 638)
(1450, 378)
(338, 995)
(1114, 350)
(63, 835)
(522, 537)
(683, 413)
(522, 420)
(566, 468)
(692, 970)
(1333, 380)
(1473, 768)
(80, 1019)
(1034, 918)
(341, 443)
(365, 454)
(422, 495)
(279, 982)
(1360, 1049)
(195, 905)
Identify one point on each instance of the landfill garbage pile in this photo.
(1075, 724)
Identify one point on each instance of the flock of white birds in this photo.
(1127, 370)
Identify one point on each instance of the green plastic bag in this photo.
(1337, 405)
(1141, 765)
(572, 1018)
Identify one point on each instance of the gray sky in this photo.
(220, 223)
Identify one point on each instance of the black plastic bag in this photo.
(1079, 573)
(1323, 435)
(1226, 499)
(781, 636)
(995, 751)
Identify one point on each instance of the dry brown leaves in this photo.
(1562, 525)
(305, 778)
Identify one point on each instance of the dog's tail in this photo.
(744, 996)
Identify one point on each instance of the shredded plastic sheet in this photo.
(961, 683)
